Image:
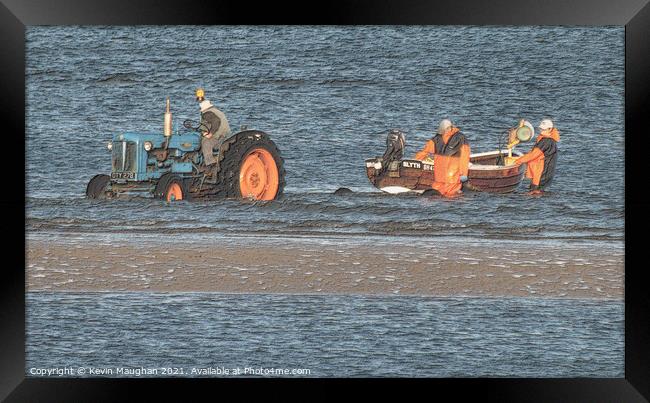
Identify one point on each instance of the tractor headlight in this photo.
(148, 145)
(109, 145)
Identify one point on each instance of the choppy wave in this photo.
(119, 77)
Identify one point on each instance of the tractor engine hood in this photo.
(184, 142)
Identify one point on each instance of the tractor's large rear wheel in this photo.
(251, 167)
(258, 175)
(97, 186)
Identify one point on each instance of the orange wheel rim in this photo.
(258, 176)
(174, 192)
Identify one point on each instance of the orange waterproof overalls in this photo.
(451, 160)
(541, 160)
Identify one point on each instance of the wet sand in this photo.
(303, 266)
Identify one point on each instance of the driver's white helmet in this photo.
(205, 105)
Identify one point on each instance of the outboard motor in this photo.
(395, 144)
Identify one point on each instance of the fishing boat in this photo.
(491, 171)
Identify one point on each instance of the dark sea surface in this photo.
(329, 335)
(327, 95)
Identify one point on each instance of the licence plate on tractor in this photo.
(123, 175)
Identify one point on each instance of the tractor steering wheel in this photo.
(193, 126)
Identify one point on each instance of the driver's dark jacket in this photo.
(214, 121)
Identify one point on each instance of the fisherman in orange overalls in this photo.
(450, 151)
(541, 160)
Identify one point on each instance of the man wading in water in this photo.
(214, 129)
(541, 160)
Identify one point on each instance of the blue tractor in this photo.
(169, 166)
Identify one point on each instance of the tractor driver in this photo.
(214, 129)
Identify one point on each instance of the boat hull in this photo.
(417, 176)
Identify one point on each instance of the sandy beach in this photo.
(304, 266)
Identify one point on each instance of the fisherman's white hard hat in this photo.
(445, 124)
(205, 105)
(546, 124)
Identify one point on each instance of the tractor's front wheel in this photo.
(170, 188)
(97, 186)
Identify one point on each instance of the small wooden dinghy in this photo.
(488, 172)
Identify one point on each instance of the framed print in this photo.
(447, 192)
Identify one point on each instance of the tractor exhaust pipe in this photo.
(167, 130)
(167, 125)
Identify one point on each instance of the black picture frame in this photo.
(633, 14)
